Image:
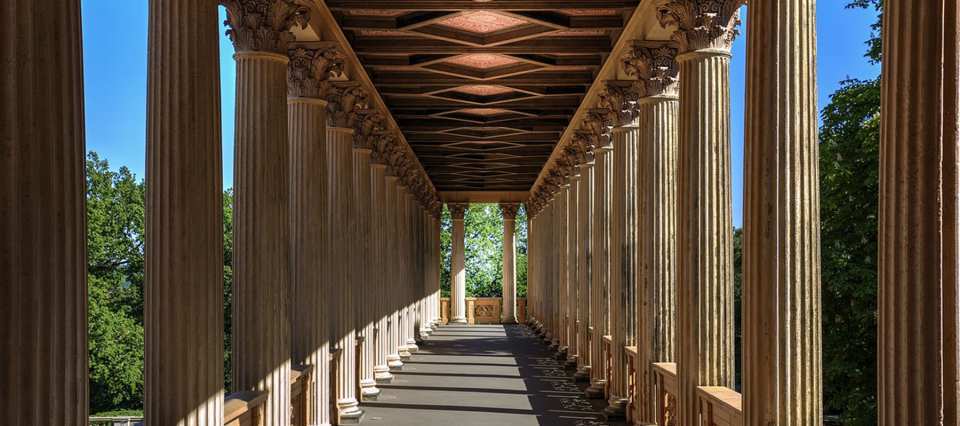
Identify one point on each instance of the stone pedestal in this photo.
(43, 291)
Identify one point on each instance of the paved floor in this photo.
(483, 375)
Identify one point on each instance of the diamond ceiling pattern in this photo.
(482, 90)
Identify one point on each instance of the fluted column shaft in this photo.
(656, 294)
(426, 270)
(409, 274)
(705, 229)
(381, 273)
(364, 302)
(559, 303)
(261, 335)
(600, 268)
(393, 289)
(403, 288)
(183, 316)
(919, 340)
(571, 264)
(43, 291)
(458, 272)
(509, 314)
(623, 258)
(342, 224)
(782, 379)
(309, 288)
(584, 267)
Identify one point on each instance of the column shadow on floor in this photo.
(484, 375)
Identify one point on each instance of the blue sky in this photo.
(115, 79)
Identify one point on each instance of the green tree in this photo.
(115, 207)
(227, 288)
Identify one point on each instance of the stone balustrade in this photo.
(719, 406)
(666, 390)
(632, 382)
(244, 408)
(483, 310)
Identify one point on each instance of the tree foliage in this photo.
(483, 244)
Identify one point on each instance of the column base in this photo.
(553, 345)
(571, 363)
(369, 390)
(582, 375)
(426, 331)
(458, 321)
(349, 412)
(403, 352)
(616, 409)
(561, 353)
(393, 362)
(509, 320)
(412, 346)
(381, 374)
(595, 391)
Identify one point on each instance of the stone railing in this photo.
(300, 378)
(666, 391)
(116, 421)
(607, 365)
(719, 406)
(483, 310)
(244, 408)
(632, 383)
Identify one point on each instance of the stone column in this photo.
(362, 271)
(559, 268)
(509, 314)
(403, 263)
(782, 379)
(43, 291)
(584, 268)
(307, 76)
(654, 65)
(426, 285)
(571, 265)
(919, 345)
(184, 274)
(341, 225)
(261, 323)
(600, 272)
(705, 31)
(393, 309)
(458, 289)
(380, 276)
(623, 259)
(409, 315)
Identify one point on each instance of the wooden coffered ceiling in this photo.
(482, 90)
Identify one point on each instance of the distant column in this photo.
(369, 125)
(458, 289)
(705, 30)
(308, 72)
(393, 304)
(654, 65)
(509, 211)
(600, 272)
(623, 240)
(261, 337)
(381, 274)
(585, 263)
(919, 350)
(572, 264)
(43, 291)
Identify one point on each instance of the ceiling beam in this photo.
(450, 5)
(545, 45)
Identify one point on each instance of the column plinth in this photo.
(458, 290)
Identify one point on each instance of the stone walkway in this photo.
(488, 375)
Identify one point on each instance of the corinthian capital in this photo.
(457, 210)
(509, 210)
(263, 25)
(701, 24)
(345, 104)
(620, 101)
(368, 128)
(310, 70)
(654, 64)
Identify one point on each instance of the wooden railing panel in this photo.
(632, 383)
(487, 310)
(300, 379)
(607, 365)
(445, 310)
(244, 408)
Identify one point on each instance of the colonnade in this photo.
(656, 235)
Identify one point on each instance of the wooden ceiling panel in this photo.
(482, 90)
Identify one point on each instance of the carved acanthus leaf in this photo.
(368, 128)
(654, 64)
(457, 210)
(620, 102)
(310, 70)
(701, 24)
(509, 210)
(263, 25)
(345, 105)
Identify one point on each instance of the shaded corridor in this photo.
(483, 375)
